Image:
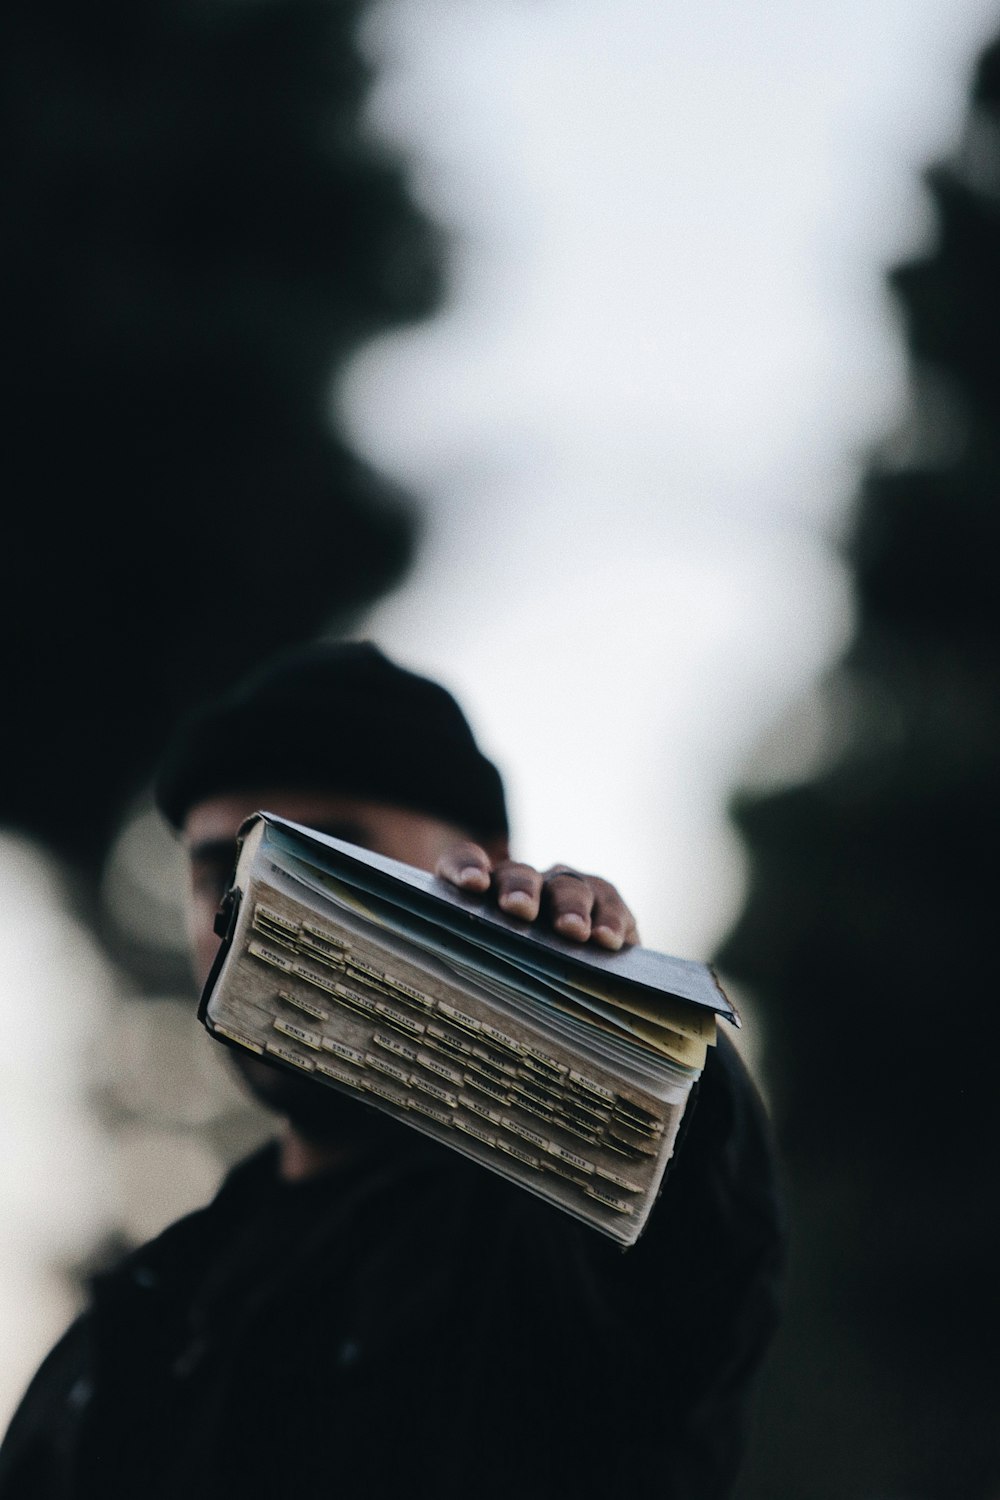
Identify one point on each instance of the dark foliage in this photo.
(194, 235)
(865, 936)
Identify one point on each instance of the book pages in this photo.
(575, 1098)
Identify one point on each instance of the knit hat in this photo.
(338, 718)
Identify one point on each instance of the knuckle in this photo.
(467, 852)
(573, 898)
(613, 913)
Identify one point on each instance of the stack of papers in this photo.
(565, 1068)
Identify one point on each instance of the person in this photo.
(362, 1311)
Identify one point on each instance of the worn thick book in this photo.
(566, 1068)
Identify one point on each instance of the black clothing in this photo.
(414, 1325)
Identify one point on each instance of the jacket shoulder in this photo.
(36, 1455)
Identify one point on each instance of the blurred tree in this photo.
(865, 934)
(196, 234)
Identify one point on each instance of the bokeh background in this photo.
(635, 369)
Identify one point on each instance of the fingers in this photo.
(585, 907)
(581, 908)
(571, 903)
(519, 889)
(466, 866)
(613, 925)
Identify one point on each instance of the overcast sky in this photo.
(638, 425)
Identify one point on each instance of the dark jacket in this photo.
(414, 1325)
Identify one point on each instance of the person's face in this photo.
(210, 830)
(209, 836)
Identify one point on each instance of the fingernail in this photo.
(608, 938)
(572, 925)
(473, 872)
(518, 903)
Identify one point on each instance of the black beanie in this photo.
(337, 718)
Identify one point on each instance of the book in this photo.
(565, 1067)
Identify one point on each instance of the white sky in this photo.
(635, 431)
(638, 424)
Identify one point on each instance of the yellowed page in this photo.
(690, 1020)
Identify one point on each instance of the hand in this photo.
(579, 907)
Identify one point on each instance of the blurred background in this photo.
(634, 369)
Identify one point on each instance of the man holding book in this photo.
(363, 1311)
